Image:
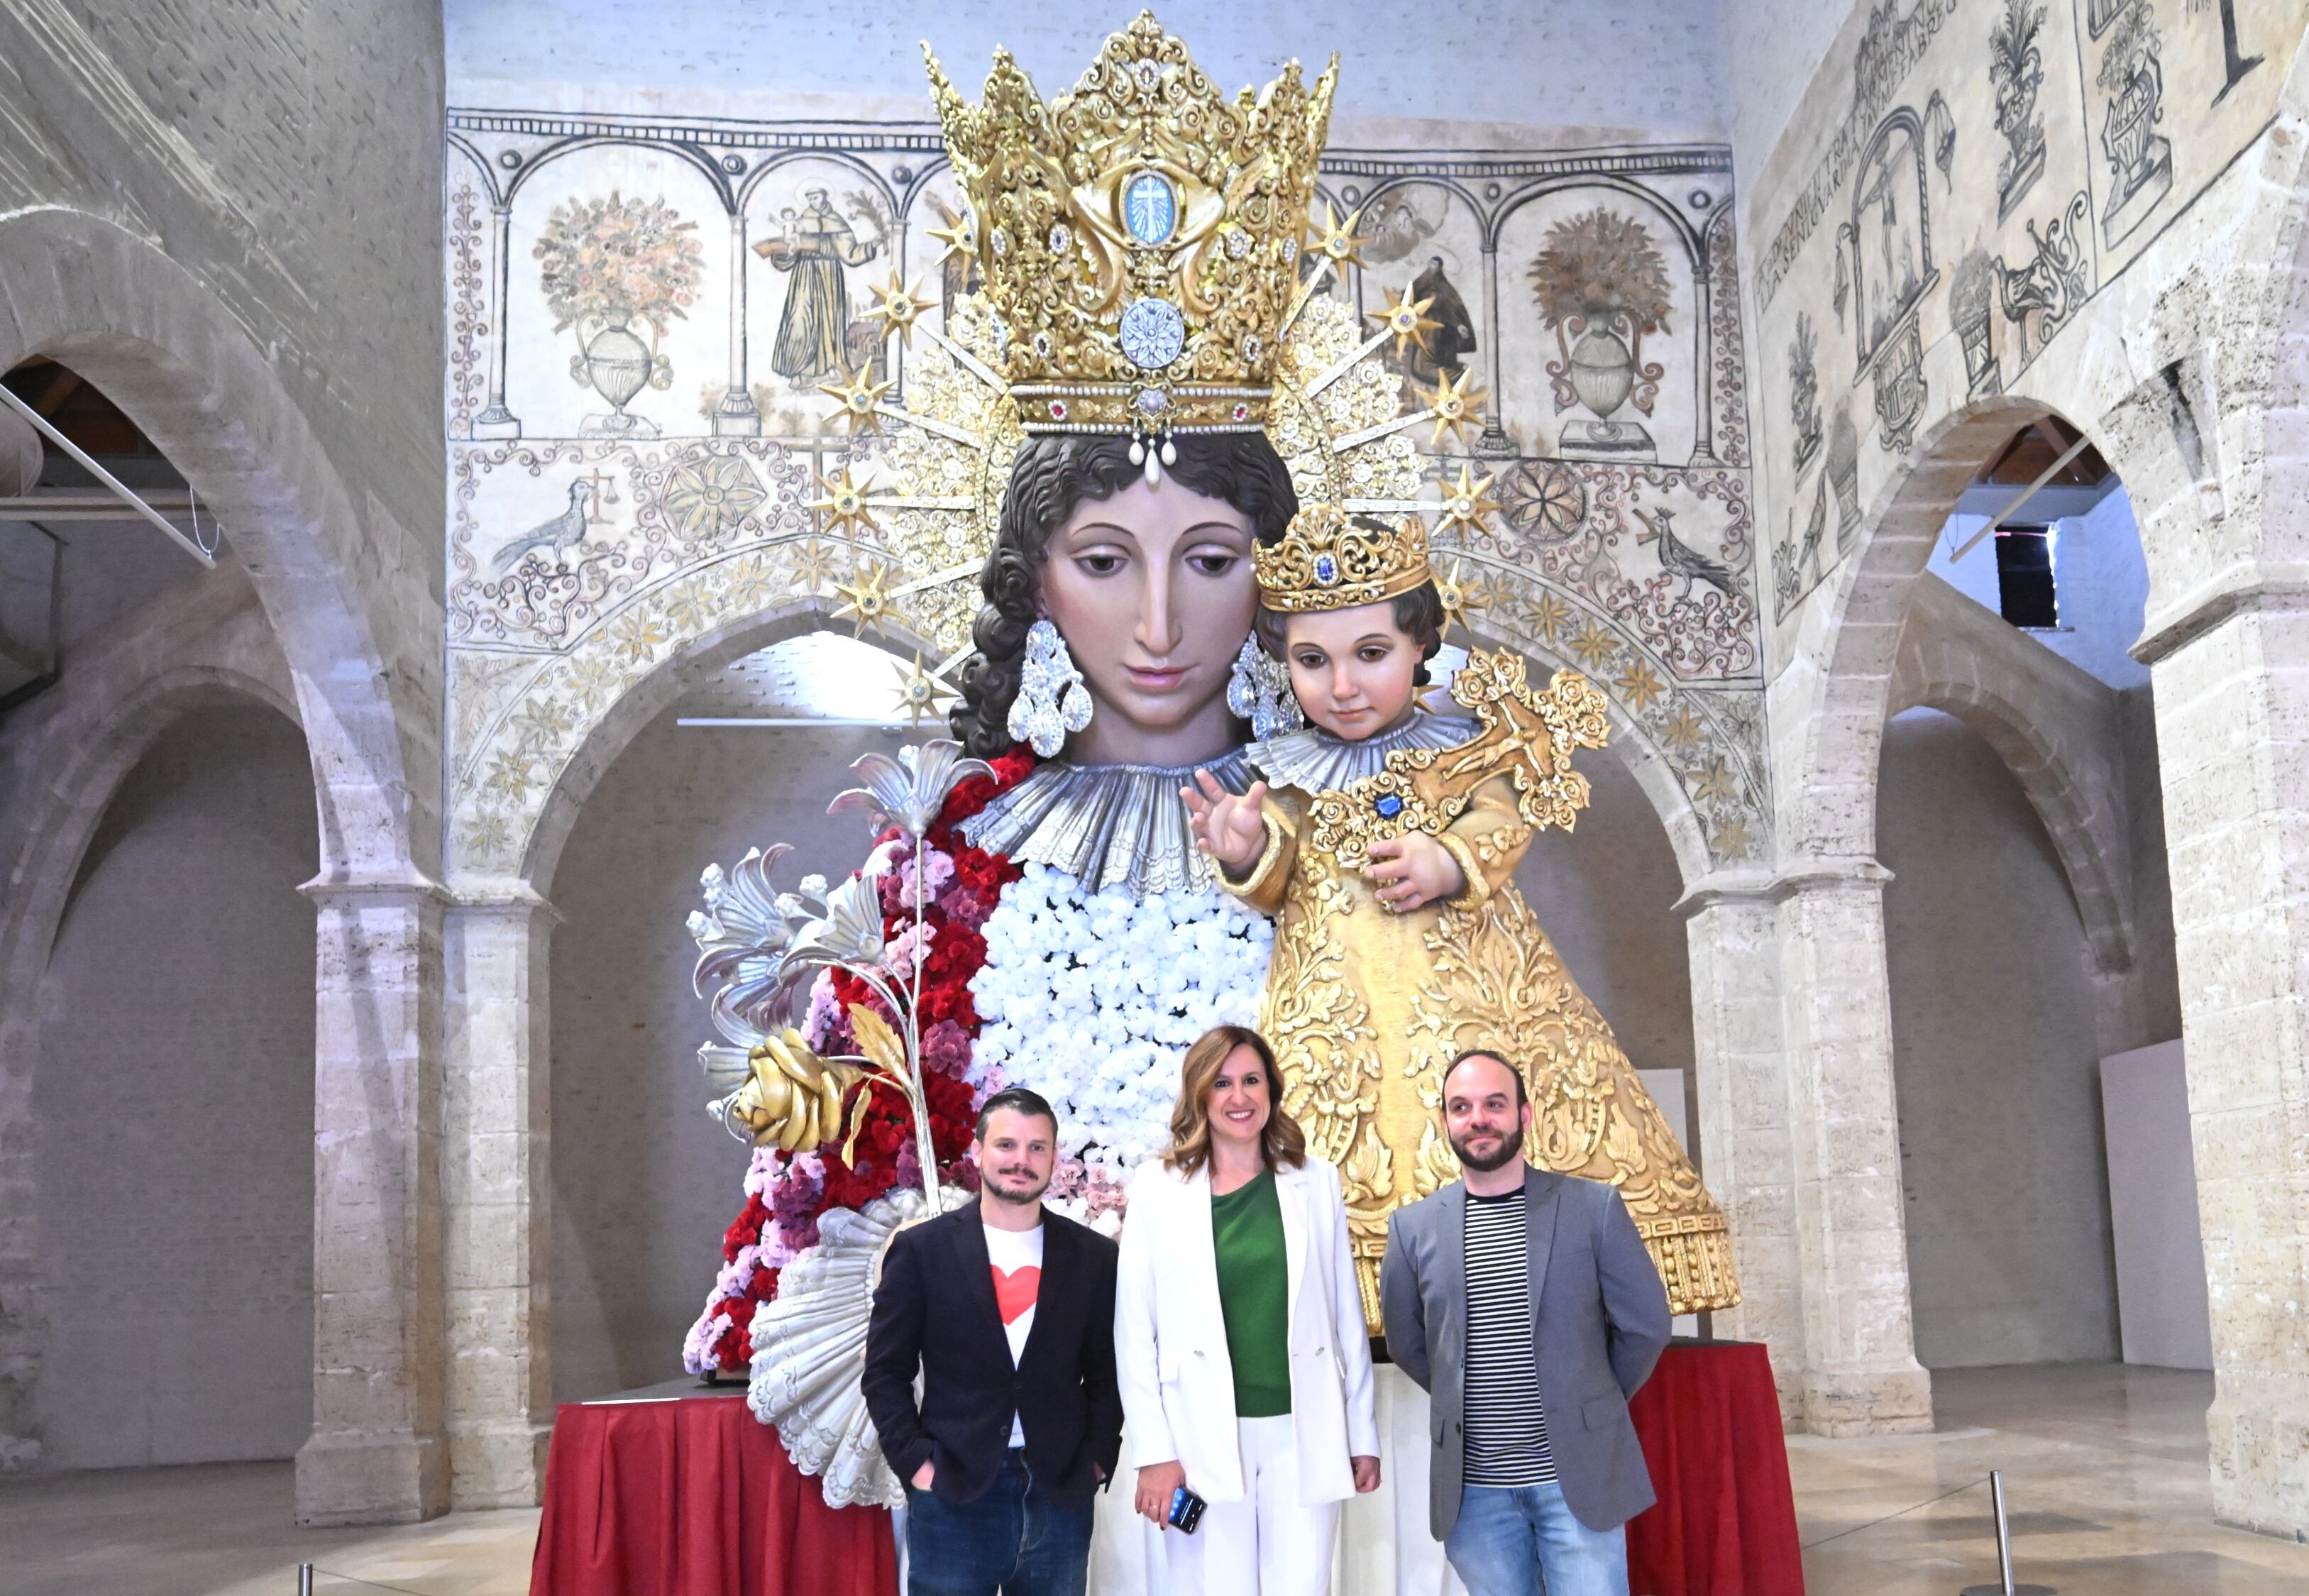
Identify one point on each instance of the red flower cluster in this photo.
(886, 1155)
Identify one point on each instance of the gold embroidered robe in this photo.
(1365, 1006)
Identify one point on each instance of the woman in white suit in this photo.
(1239, 1336)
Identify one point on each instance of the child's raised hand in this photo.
(1412, 870)
(1226, 827)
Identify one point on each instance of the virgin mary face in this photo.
(1152, 590)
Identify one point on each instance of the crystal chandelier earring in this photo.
(1052, 700)
(1259, 690)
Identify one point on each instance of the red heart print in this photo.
(1015, 1290)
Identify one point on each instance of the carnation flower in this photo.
(1088, 998)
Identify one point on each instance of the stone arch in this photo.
(1955, 657)
(1829, 703)
(645, 700)
(99, 726)
(121, 312)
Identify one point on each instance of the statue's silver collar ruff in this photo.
(1106, 825)
(1315, 761)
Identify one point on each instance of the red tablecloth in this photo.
(694, 1498)
(1725, 1522)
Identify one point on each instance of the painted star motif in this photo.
(858, 396)
(1408, 319)
(919, 691)
(813, 567)
(897, 306)
(1453, 405)
(866, 599)
(1337, 238)
(1466, 502)
(844, 503)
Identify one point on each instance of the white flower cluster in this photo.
(1090, 998)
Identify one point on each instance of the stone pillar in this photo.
(1861, 1374)
(738, 416)
(495, 1171)
(2233, 741)
(495, 420)
(1732, 928)
(378, 1453)
(1494, 444)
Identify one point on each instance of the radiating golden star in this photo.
(1466, 502)
(896, 306)
(1408, 319)
(1454, 595)
(844, 503)
(868, 597)
(858, 396)
(1337, 238)
(919, 691)
(959, 234)
(1453, 405)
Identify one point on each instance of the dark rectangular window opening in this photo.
(2024, 577)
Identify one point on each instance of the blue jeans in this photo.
(1015, 1538)
(1519, 1541)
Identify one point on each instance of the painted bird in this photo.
(1678, 558)
(564, 531)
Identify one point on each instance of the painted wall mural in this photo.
(647, 316)
(1976, 172)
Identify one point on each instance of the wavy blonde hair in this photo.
(1280, 1140)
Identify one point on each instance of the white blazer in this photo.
(1170, 1337)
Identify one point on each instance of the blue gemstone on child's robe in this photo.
(1388, 806)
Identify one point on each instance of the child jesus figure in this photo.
(1394, 954)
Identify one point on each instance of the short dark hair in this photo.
(1417, 615)
(1018, 1100)
(1522, 1096)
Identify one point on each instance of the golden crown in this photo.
(1139, 235)
(1330, 560)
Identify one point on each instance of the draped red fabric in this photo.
(1725, 1522)
(694, 1496)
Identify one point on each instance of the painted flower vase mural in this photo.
(2140, 159)
(1602, 287)
(606, 265)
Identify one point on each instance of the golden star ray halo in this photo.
(933, 485)
(1139, 235)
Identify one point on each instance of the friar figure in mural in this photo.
(814, 247)
(1454, 337)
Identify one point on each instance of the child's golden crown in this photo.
(1139, 235)
(1331, 560)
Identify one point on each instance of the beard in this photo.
(1016, 1186)
(1509, 1145)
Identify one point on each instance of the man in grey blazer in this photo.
(1524, 1303)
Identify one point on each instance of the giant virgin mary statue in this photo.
(1151, 382)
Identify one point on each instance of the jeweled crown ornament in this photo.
(1139, 235)
(1331, 560)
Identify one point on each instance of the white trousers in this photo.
(1269, 1543)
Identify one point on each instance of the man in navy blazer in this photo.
(1007, 1311)
(1525, 1302)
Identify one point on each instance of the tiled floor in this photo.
(2104, 1486)
(2105, 1475)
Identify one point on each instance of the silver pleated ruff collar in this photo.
(1315, 761)
(1106, 825)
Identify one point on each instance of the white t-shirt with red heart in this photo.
(1017, 1257)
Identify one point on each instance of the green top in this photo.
(1254, 1296)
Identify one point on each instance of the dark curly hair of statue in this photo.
(1055, 473)
(1418, 615)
